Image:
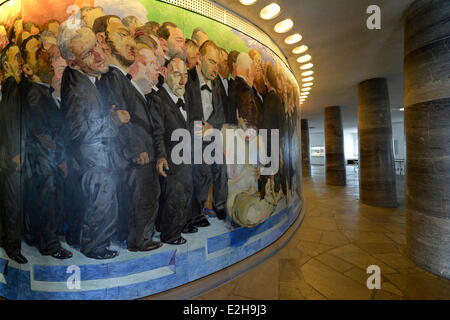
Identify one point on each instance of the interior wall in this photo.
(398, 138)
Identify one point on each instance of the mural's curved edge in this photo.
(177, 282)
(198, 287)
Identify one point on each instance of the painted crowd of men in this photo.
(86, 117)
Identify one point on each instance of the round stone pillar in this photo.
(376, 155)
(427, 130)
(306, 157)
(334, 147)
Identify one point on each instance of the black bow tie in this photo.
(180, 104)
(205, 87)
(149, 96)
(129, 76)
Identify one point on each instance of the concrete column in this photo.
(427, 129)
(334, 147)
(376, 155)
(306, 157)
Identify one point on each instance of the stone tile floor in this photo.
(328, 256)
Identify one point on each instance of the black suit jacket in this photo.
(194, 101)
(168, 118)
(231, 82)
(259, 101)
(90, 134)
(273, 112)
(11, 125)
(235, 90)
(44, 143)
(151, 95)
(137, 135)
(222, 90)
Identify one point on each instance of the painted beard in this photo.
(17, 76)
(145, 85)
(122, 60)
(46, 77)
(45, 71)
(179, 92)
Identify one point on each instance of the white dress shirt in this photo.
(225, 83)
(93, 79)
(175, 100)
(206, 96)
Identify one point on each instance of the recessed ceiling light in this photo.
(309, 79)
(304, 58)
(309, 84)
(307, 73)
(247, 2)
(300, 49)
(270, 11)
(402, 109)
(296, 37)
(306, 89)
(307, 66)
(284, 26)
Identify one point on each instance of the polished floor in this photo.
(328, 256)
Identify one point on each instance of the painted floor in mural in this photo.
(138, 274)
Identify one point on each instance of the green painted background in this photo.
(187, 21)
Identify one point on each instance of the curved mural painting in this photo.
(143, 146)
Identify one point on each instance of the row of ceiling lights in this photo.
(270, 12)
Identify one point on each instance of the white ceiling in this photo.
(345, 52)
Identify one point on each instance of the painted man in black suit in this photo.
(177, 186)
(146, 39)
(172, 41)
(243, 82)
(222, 78)
(136, 137)
(91, 138)
(45, 166)
(206, 105)
(231, 62)
(12, 155)
(259, 86)
(192, 54)
(259, 83)
(144, 205)
(273, 115)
